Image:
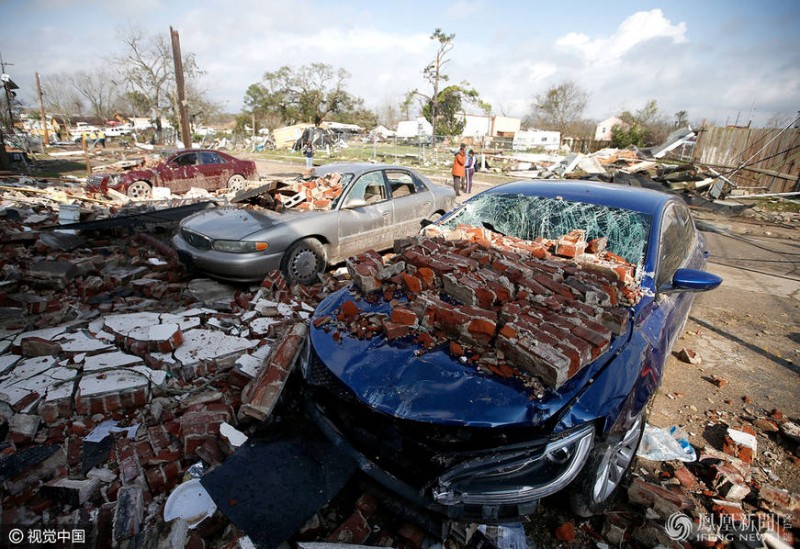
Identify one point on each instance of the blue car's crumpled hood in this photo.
(433, 387)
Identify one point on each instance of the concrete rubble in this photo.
(118, 376)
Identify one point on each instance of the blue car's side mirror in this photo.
(694, 281)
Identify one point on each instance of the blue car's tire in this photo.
(605, 469)
(303, 261)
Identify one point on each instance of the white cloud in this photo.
(634, 31)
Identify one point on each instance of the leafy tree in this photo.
(311, 93)
(450, 107)
(358, 114)
(559, 107)
(622, 136)
(644, 127)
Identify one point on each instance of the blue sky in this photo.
(716, 59)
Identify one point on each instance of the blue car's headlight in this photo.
(239, 246)
(517, 477)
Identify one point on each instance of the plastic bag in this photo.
(665, 444)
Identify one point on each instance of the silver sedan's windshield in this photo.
(528, 217)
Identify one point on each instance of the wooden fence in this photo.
(764, 160)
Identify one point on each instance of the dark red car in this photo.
(199, 168)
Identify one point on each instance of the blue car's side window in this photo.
(677, 237)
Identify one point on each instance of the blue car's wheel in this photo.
(605, 469)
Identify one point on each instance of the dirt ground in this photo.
(747, 333)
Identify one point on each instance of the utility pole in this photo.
(46, 136)
(8, 85)
(186, 136)
(5, 163)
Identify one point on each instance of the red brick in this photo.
(565, 532)
(686, 478)
(428, 277)
(481, 330)
(349, 309)
(401, 315)
(156, 479)
(412, 283)
(395, 331)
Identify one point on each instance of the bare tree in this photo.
(434, 74)
(560, 106)
(60, 97)
(148, 70)
(99, 91)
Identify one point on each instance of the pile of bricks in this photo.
(543, 308)
(311, 194)
(97, 328)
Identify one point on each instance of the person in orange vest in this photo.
(458, 169)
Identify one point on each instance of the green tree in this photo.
(450, 108)
(311, 93)
(559, 107)
(645, 127)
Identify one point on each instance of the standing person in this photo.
(93, 138)
(101, 137)
(458, 169)
(469, 169)
(308, 152)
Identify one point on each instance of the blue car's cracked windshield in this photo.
(528, 217)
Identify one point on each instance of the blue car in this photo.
(421, 412)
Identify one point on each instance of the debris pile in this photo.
(545, 307)
(724, 496)
(311, 194)
(171, 382)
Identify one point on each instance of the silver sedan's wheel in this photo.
(140, 190)
(606, 468)
(303, 261)
(236, 182)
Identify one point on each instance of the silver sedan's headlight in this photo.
(517, 477)
(239, 246)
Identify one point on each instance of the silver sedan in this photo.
(378, 203)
